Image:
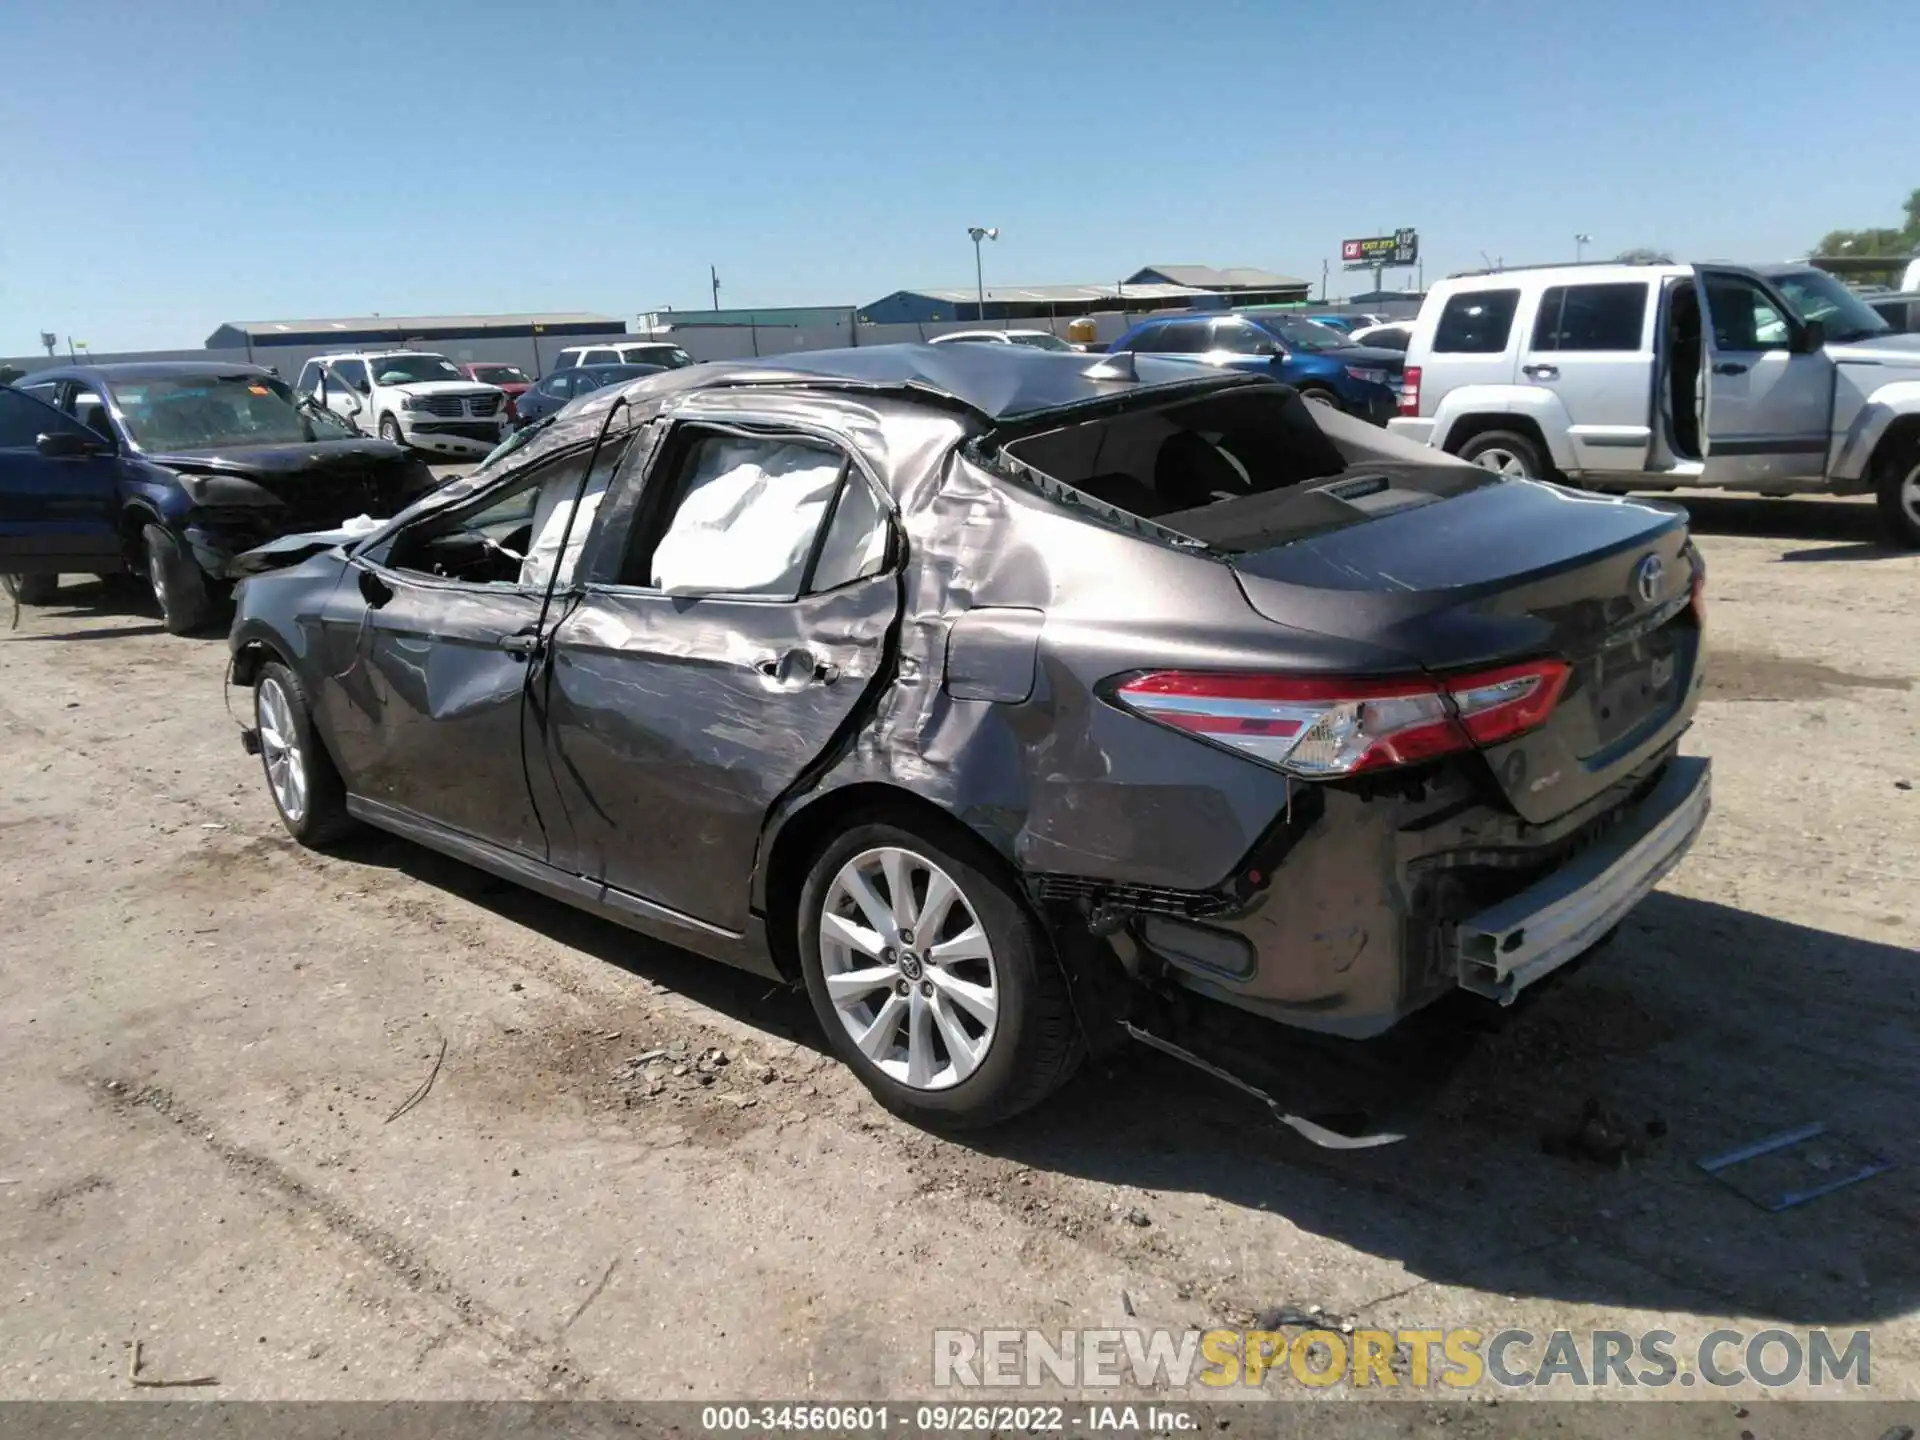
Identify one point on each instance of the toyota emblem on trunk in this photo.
(1646, 578)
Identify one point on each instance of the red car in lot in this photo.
(510, 378)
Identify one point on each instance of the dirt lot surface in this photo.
(208, 1032)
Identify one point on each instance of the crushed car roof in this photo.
(999, 382)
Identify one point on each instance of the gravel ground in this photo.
(208, 1032)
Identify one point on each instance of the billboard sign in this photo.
(1400, 248)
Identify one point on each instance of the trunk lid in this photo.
(1515, 571)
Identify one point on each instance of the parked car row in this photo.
(171, 471)
(1325, 366)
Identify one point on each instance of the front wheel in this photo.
(390, 430)
(1899, 498)
(932, 979)
(306, 788)
(179, 585)
(1506, 452)
(32, 589)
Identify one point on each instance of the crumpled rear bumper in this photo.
(1510, 945)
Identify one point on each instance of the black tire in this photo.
(1898, 496)
(1320, 395)
(33, 589)
(390, 431)
(1512, 445)
(1036, 1040)
(180, 587)
(322, 818)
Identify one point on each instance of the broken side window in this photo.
(511, 534)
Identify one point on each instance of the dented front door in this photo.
(426, 704)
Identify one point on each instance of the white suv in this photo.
(1775, 379)
(663, 353)
(410, 397)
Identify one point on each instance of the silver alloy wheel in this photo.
(1910, 496)
(280, 749)
(909, 968)
(1320, 397)
(1502, 460)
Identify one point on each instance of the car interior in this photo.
(510, 536)
(1685, 350)
(1244, 468)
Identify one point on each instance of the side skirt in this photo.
(747, 951)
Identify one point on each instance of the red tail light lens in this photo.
(1699, 601)
(1410, 390)
(1321, 728)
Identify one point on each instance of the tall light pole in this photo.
(1580, 243)
(979, 233)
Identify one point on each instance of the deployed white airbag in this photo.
(748, 520)
(550, 520)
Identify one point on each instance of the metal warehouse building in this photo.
(1158, 287)
(253, 335)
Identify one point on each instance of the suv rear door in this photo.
(59, 497)
(1769, 401)
(1472, 343)
(1592, 345)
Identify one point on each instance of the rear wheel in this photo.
(932, 979)
(32, 589)
(306, 788)
(1899, 497)
(1507, 452)
(1320, 395)
(180, 586)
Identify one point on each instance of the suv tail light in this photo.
(1410, 390)
(1319, 728)
(1699, 601)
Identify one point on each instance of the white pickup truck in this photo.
(409, 397)
(1774, 379)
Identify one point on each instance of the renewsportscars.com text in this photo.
(1457, 1359)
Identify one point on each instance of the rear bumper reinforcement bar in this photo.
(1508, 946)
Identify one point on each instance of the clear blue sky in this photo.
(172, 164)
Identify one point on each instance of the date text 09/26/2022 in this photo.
(948, 1419)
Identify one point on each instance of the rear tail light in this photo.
(1699, 601)
(1320, 728)
(1410, 390)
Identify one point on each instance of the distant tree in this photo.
(1643, 256)
(1878, 240)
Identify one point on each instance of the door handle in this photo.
(523, 646)
(1729, 367)
(1541, 372)
(796, 668)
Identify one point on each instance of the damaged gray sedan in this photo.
(1011, 702)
